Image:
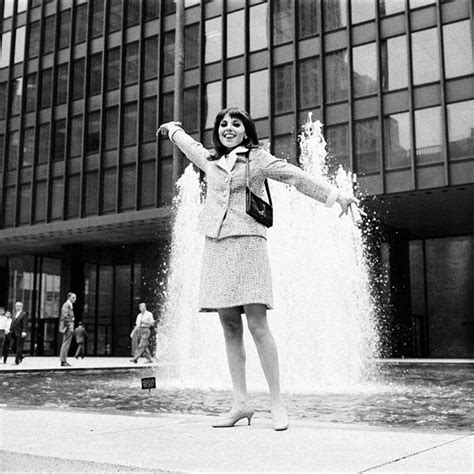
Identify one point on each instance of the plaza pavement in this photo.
(64, 440)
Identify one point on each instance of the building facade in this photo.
(86, 186)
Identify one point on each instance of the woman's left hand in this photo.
(345, 201)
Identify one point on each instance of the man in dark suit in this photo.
(66, 327)
(18, 329)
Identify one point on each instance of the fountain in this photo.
(324, 318)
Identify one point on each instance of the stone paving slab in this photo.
(187, 443)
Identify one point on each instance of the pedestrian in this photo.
(142, 329)
(18, 328)
(5, 323)
(235, 273)
(66, 328)
(6, 345)
(80, 335)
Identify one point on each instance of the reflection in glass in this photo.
(21, 5)
(57, 198)
(337, 137)
(115, 16)
(64, 28)
(364, 69)
(61, 87)
(97, 18)
(151, 58)
(168, 52)
(25, 202)
(95, 71)
(49, 34)
(132, 12)
(113, 69)
(5, 46)
(335, 14)
(73, 192)
(362, 10)
(387, 7)
(191, 109)
(8, 9)
(109, 189)
(148, 186)
(284, 147)
(236, 92)
(191, 52)
(91, 192)
(78, 79)
(420, 3)
(212, 102)
(40, 201)
(428, 135)
(76, 136)
(151, 9)
(309, 81)
(213, 40)
(308, 21)
(43, 146)
(9, 207)
(366, 144)
(31, 92)
(19, 45)
(131, 63)
(166, 180)
(80, 26)
(17, 94)
(397, 140)
(283, 88)
(394, 63)
(111, 128)
(259, 94)
(93, 133)
(28, 147)
(167, 107)
(235, 34)
(425, 56)
(46, 84)
(59, 139)
(3, 100)
(13, 148)
(282, 21)
(457, 49)
(130, 124)
(336, 76)
(460, 130)
(127, 188)
(149, 120)
(258, 27)
(34, 40)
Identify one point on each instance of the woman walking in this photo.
(235, 274)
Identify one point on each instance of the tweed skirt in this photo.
(235, 272)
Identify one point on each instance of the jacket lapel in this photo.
(232, 159)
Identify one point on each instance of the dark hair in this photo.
(234, 112)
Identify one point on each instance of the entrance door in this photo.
(47, 337)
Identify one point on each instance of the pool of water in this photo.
(430, 396)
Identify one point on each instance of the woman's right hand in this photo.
(165, 127)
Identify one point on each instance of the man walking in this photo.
(66, 327)
(80, 335)
(142, 327)
(18, 328)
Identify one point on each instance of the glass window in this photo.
(388, 7)
(34, 40)
(31, 88)
(115, 16)
(40, 201)
(151, 58)
(113, 69)
(362, 10)
(111, 128)
(151, 9)
(428, 135)
(91, 193)
(19, 45)
(78, 79)
(43, 146)
(3, 99)
(284, 147)
(191, 109)
(397, 140)
(131, 63)
(8, 9)
(235, 34)
(28, 147)
(2, 144)
(337, 83)
(366, 144)
(213, 40)
(460, 130)
(109, 190)
(166, 180)
(5, 46)
(61, 88)
(282, 21)
(258, 27)
(337, 137)
(9, 207)
(93, 133)
(73, 194)
(147, 185)
(130, 124)
(57, 199)
(308, 21)
(97, 18)
(127, 188)
(309, 83)
(59, 139)
(236, 92)
(132, 12)
(17, 94)
(95, 71)
(13, 148)
(25, 203)
(458, 49)
(80, 27)
(364, 63)
(64, 28)
(149, 120)
(169, 6)
(394, 63)
(259, 94)
(21, 6)
(191, 49)
(212, 102)
(76, 136)
(425, 56)
(49, 34)
(168, 53)
(46, 84)
(167, 107)
(335, 14)
(283, 88)
(420, 3)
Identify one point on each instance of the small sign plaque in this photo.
(148, 383)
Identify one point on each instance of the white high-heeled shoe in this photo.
(233, 417)
(280, 419)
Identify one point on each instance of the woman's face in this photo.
(231, 131)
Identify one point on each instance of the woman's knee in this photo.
(257, 322)
(231, 322)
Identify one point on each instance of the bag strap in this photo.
(247, 178)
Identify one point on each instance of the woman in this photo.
(235, 274)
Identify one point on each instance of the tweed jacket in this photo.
(223, 214)
(66, 319)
